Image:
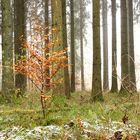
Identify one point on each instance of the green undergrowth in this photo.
(26, 111)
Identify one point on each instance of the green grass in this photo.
(26, 111)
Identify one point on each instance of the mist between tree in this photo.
(83, 37)
(77, 62)
(88, 49)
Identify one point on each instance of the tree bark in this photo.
(72, 48)
(47, 40)
(7, 49)
(114, 87)
(19, 30)
(57, 35)
(65, 46)
(81, 46)
(124, 49)
(96, 93)
(105, 46)
(132, 77)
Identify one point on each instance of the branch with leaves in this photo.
(38, 61)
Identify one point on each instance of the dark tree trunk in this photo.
(7, 49)
(65, 46)
(96, 93)
(124, 49)
(105, 46)
(19, 30)
(47, 40)
(131, 47)
(114, 87)
(57, 24)
(72, 48)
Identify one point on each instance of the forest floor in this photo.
(117, 118)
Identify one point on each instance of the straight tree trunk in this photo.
(72, 49)
(19, 30)
(124, 49)
(132, 76)
(65, 46)
(48, 39)
(56, 6)
(81, 46)
(105, 46)
(114, 87)
(7, 49)
(96, 93)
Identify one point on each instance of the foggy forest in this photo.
(69, 70)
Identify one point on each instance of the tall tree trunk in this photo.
(65, 46)
(105, 46)
(72, 48)
(131, 47)
(19, 30)
(124, 49)
(57, 23)
(81, 46)
(7, 49)
(48, 39)
(114, 87)
(96, 93)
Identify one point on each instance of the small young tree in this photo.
(34, 67)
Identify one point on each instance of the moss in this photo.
(61, 110)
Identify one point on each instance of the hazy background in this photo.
(88, 50)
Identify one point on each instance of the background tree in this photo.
(81, 20)
(65, 46)
(19, 30)
(72, 47)
(7, 48)
(57, 25)
(136, 6)
(47, 24)
(96, 93)
(35, 11)
(131, 47)
(124, 49)
(81, 43)
(105, 45)
(114, 86)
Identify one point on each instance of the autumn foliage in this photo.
(43, 61)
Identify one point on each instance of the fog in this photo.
(88, 50)
(89, 46)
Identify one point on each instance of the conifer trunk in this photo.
(96, 93)
(72, 47)
(7, 49)
(114, 87)
(19, 30)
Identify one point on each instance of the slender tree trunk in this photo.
(96, 93)
(19, 30)
(72, 48)
(124, 49)
(105, 46)
(131, 47)
(47, 40)
(7, 49)
(65, 46)
(81, 46)
(114, 87)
